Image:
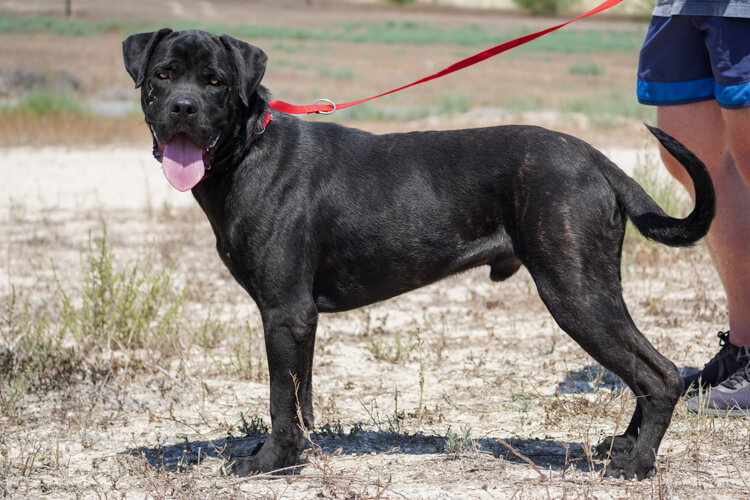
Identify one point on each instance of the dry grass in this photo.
(68, 128)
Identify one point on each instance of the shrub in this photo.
(544, 7)
(133, 307)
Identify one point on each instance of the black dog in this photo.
(316, 217)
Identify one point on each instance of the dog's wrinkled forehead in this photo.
(192, 51)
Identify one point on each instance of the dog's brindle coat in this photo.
(316, 217)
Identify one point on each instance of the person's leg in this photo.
(737, 282)
(715, 135)
(697, 70)
(732, 395)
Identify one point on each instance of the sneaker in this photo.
(721, 366)
(731, 398)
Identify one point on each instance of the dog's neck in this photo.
(237, 143)
(267, 117)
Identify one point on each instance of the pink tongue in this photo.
(183, 163)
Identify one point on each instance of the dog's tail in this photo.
(650, 219)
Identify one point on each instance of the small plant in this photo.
(395, 351)
(254, 428)
(125, 308)
(420, 407)
(520, 400)
(339, 73)
(520, 104)
(31, 354)
(48, 103)
(391, 425)
(456, 443)
(544, 7)
(328, 430)
(454, 103)
(448, 103)
(587, 67)
(249, 360)
(607, 109)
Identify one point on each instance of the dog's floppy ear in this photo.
(250, 63)
(137, 49)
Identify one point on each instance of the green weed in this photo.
(285, 47)
(545, 7)
(392, 424)
(520, 104)
(254, 428)
(383, 350)
(339, 73)
(520, 400)
(58, 26)
(32, 354)
(586, 67)
(128, 308)
(447, 103)
(388, 32)
(330, 430)
(249, 359)
(394, 352)
(606, 109)
(42, 104)
(456, 443)
(586, 41)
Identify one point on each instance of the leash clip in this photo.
(326, 101)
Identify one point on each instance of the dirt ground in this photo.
(397, 384)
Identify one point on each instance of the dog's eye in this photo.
(213, 81)
(163, 75)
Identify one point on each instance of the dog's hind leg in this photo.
(586, 301)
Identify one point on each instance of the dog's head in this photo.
(197, 89)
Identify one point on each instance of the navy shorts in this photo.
(688, 59)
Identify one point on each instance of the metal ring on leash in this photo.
(328, 101)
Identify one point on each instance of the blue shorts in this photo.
(688, 59)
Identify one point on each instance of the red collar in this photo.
(266, 120)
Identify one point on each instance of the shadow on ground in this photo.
(543, 454)
(592, 378)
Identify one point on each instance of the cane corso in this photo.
(314, 217)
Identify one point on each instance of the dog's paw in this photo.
(616, 446)
(266, 457)
(630, 468)
(242, 466)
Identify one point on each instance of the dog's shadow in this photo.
(544, 454)
(592, 378)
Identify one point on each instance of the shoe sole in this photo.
(722, 412)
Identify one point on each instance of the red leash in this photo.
(326, 106)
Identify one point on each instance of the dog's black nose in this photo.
(184, 106)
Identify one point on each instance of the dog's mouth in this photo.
(184, 162)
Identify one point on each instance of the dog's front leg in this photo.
(290, 341)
